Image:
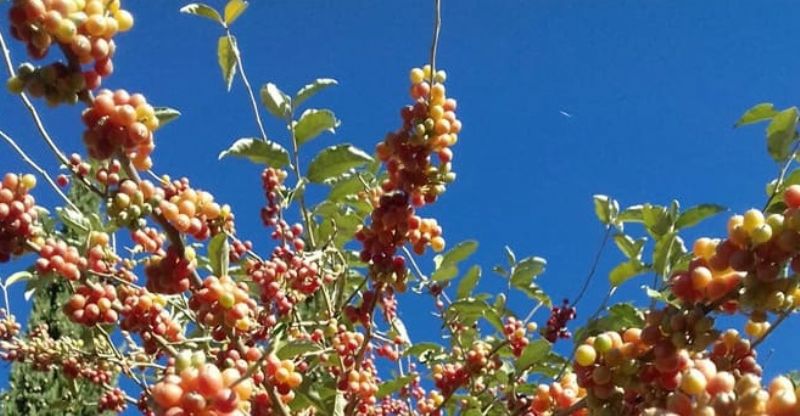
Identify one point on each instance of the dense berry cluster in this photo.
(560, 316)
(171, 272)
(283, 376)
(144, 313)
(55, 82)
(18, 214)
(112, 400)
(82, 28)
(132, 202)
(516, 333)
(9, 327)
(199, 388)
(194, 212)
(224, 306)
(554, 397)
(119, 123)
(93, 303)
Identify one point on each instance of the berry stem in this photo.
(37, 168)
(593, 269)
(253, 102)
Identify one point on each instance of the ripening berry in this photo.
(761, 234)
(28, 181)
(15, 85)
(437, 244)
(585, 355)
(752, 220)
(693, 382)
(124, 20)
(792, 196)
(603, 343)
(417, 76)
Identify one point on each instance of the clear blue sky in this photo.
(653, 88)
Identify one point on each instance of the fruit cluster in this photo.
(132, 202)
(560, 316)
(516, 333)
(285, 279)
(93, 303)
(170, 273)
(148, 238)
(555, 397)
(55, 82)
(18, 214)
(82, 28)
(120, 124)
(272, 184)
(56, 256)
(282, 375)
(224, 306)
(746, 271)
(201, 388)
(144, 313)
(194, 212)
(9, 327)
(112, 401)
(429, 127)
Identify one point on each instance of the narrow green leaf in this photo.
(781, 132)
(339, 404)
(624, 272)
(312, 89)
(347, 184)
(656, 219)
(468, 282)
(218, 254)
(233, 10)
(757, 113)
(165, 115)
(314, 122)
(336, 160)
(17, 277)
(258, 151)
(694, 215)
(276, 101)
(631, 214)
(421, 348)
(510, 256)
(226, 57)
(533, 352)
(443, 274)
(204, 10)
(667, 249)
(73, 219)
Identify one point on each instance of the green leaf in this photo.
(226, 57)
(605, 208)
(781, 132)
(620, 316)
(218, 256)
(469, 309)
(533, 352)
(165, 115)
(757, 113)
(533, 291)
(17, 277)
(312, 89)
(510, 256)
(656, 219)
(421, 348)
(633, 213)
(233, 10)
(526, 270)
(204, 10)
(625, 271)
(392, 386)
(73, 219)
(468, 282)
(667, 249)
(295, 349)
(347, 184)
(258, 151)
(694, 215)
(631, 248)
(276, 101)
(447, 264)
(339, 404)
(314, 122)
(336, 160)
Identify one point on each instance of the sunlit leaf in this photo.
(625, 271)
(314, 122)
(276, 101)
(258, 151)
(533, 352)
(781, 132)
(756, 113)
(204, 10)
(336, 160)
(233, 10)
(165, 115)
(226, 57)
(312, 89)
(468, 282)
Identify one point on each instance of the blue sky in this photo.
(652, 89)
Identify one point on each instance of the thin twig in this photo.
(593, 269)
(37, 168)
(253, 102)
(771, 328)
(437, 28)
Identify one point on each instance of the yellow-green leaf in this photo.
(234, 9)
(226, 56)
(204, 10)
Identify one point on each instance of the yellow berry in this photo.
(417, 76)
(125, 20)
(752, 220)
(28, 181)
(585, 355)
